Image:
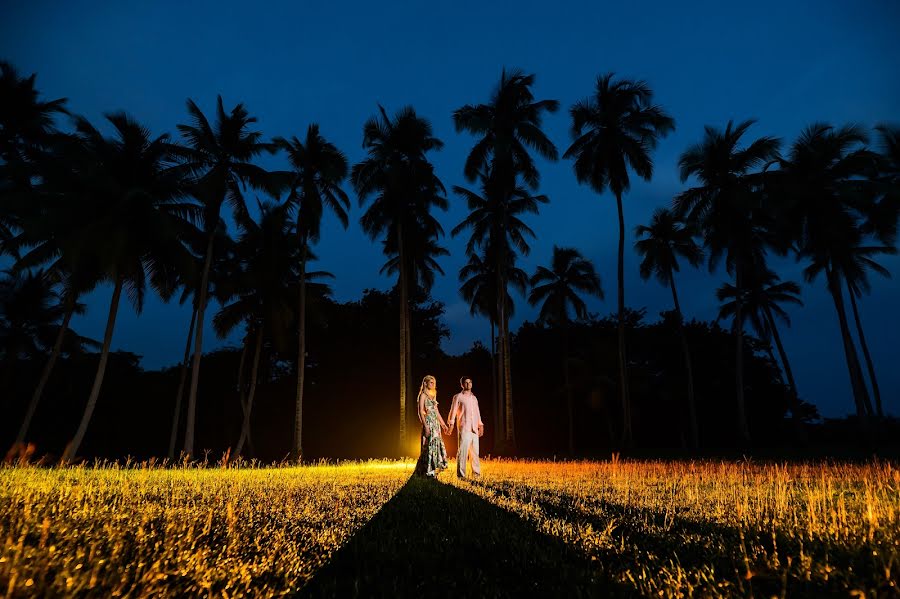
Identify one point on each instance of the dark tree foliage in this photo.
(352, 389)
(351, 392)
(658, 386)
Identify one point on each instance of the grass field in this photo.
(630, 528)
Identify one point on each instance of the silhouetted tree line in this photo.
(352, 390)
(145, 213)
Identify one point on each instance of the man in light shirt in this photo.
(464, 411)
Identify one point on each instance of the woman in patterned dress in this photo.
(433, 457)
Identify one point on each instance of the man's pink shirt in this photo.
(465, 407)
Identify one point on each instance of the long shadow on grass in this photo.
(433, 539)
(649, 538)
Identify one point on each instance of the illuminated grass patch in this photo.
(670, 529)
(713, 528)
(181, 531)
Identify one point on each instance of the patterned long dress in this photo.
(433, 457)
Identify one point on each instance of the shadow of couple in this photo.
(434, 539)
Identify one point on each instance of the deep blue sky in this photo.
(786, 64)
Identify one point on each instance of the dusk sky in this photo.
(786, 64)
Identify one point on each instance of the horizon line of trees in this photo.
(133, 210)
(350, 400)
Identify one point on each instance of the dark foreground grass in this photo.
(437, 540)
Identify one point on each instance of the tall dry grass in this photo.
(650, 528)
(181, 531)
(716, 528)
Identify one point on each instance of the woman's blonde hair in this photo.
(427, 378)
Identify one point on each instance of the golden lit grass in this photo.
(714, 528)
(645, 528)
(113, 531)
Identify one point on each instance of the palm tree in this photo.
(890, 154)
(478, 280)
(726, 206)
(221, 272)
(881, 218)
(556, 289)
(614, 129)
(763, 294)
(421, 248)
(30, 308)
(49, 233)
(498, 231)
(26, 129)
(396, 173)
(319, 168)
(265, 292)
(182, 378)
(133, 193)
(220, 157)
(825, 204)
(25, 121)
(507, 126)
(661, 244)
(854, 263)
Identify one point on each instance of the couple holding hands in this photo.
(464, 413)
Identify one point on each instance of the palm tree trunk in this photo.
(297, 448)
(685, 349)
(504, 367)
(743, 431)
(771, 353)
(245, 428)
(570, 400)
(240, 382)
(795, 399)
(45, 374)
(860, 394)
(75, 443)
(623, 363)
(509, 425)
(403, 337)
(198, 348)
(501, 352)
(182, 377)
(865, 348)
(495, 398)
(241, 387)
(411, 406)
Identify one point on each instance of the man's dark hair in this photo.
(462, 380)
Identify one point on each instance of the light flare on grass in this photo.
(182, 531)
